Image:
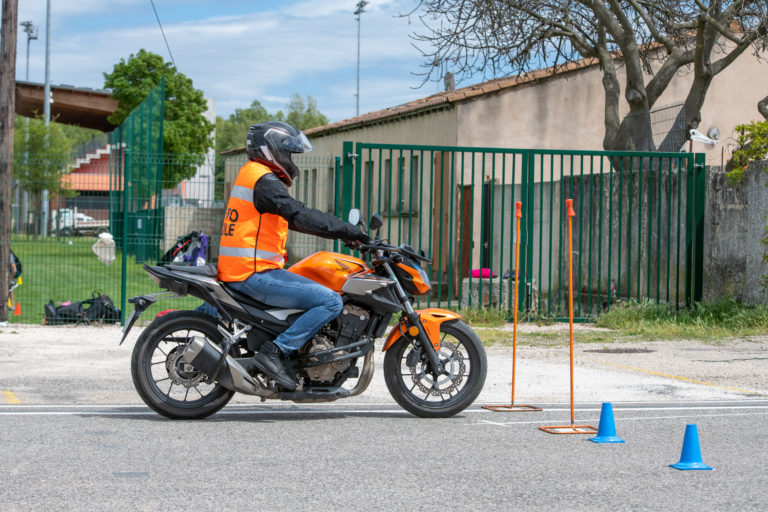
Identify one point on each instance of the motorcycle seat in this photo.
(208, 270)
(245, 299)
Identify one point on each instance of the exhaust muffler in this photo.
(205, 356)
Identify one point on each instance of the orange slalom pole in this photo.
(571, 214)
(512, 406)
(572, 428)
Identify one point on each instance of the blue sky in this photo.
(237, 51)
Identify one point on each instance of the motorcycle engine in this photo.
(351, 323)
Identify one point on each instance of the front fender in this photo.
(430, 319)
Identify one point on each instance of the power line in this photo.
(211, 165)
(173, 61)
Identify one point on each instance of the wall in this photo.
(735, 221)
(436, 128)
(567, 110)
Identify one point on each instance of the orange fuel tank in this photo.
(330, 269)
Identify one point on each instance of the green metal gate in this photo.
(638, 231)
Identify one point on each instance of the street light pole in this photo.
(46, 108)
(358, 11)
(31, 30)
(21, 208)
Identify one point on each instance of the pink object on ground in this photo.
(484, 272)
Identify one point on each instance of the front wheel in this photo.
(164, 381)
(420, 391)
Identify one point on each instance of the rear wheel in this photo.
(420, 391)
(167, 384)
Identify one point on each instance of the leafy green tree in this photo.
(47, 151)
(186, 131)
(78, 135)
(303, 115)
(231, 132)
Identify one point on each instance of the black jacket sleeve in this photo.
(271, 196)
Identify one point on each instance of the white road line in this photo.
(116, 410)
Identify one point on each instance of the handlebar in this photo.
(379, 245)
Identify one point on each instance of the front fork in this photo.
(413, 318)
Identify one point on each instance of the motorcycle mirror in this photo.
(354, 216)
(376, 221)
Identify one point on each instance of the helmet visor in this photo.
(297, 144)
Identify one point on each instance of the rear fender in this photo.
(430, 319)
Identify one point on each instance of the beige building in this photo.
(459, 206)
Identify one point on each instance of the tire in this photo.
(460, 346)
(156, 365)
(67, 232)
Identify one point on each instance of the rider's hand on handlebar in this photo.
(355, 244)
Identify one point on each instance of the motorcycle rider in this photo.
(252, 251)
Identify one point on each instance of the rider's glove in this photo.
(355, 244)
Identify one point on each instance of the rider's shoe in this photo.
(269, 359)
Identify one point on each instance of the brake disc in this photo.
(181, 373)
(454, 362)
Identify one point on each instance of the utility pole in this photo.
(358, 11)
(10, 20)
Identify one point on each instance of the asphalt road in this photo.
(374, 457)
(75, 436)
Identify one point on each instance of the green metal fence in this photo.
(637, 232)
(638, 229)
(145, 218)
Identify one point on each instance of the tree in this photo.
(655, 40)
(186, 131)
(47, 149)
(231, 132)
(301, 115)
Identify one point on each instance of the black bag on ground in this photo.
(101, 309)
(71, 313)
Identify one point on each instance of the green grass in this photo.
(493, 317)
(69, 270)
(724, 319)
(648, 321)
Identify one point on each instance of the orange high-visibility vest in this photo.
(250, 241)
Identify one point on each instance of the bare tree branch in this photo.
(653, 39)
(762, 107)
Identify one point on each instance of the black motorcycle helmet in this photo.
(272, 143)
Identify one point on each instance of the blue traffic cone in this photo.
(606, 432)
(690, 457)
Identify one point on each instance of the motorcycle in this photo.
(188, 365)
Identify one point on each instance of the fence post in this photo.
(124, 269)
(700, 184)
(347, 171)
(337, 194)
(527, 195)
(694, 228)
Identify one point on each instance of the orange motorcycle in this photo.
(187, 364)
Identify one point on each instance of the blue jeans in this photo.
(284, 289)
